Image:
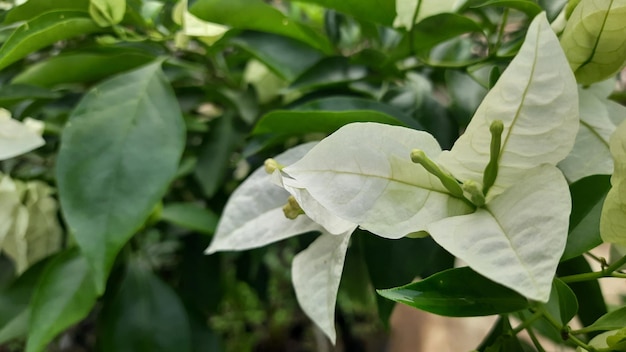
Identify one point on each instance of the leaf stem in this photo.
(526, 323)
(534, 339)
(566, 333)
(498, 44)
(609, 271)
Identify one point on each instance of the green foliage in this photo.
(480, 130)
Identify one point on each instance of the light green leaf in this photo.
(613, 219)
(191, 216)
(17, 327)
(529, 7)
(119, 152)
(256, 15)
(536, 99)
(405, 10)
(599, 118)
(518, 238)
(44, 30)
(380, 11)
(33, 8)
(16, 137)
(65, 295)
(594, 39)
(375, 184)
(253, 216)
(611, 321)
(107, 12)
(315, 274)
(144, 315)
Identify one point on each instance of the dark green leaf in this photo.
(329, 71)
(45, 30)
(200, 275)
(86, 66)
(552, 7)
(144, 315)
(329, 114)
(65, 295)
(530, 8)
(459, 292)
(33, 8)
(286, 57)
(215, 154)
(16, 328)
(562, 304)
(119, 152)
(191, 216)
(498, 339)
(587, 199)
(257, 15)
(379, 11)
(14, 93)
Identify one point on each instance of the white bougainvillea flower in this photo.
(16, 137)
(496, 200)
(254, 217)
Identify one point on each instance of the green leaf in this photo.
(119, 152)
(215, 154)
(286, 57)
(499, 339)
(107, 12)
(593, 40)
(610, 321)
(529, 7)
(459, 292)
(33, 8)
(65, 294)
(329, 114)
(405, 11)
(16, 328)
(588, 197)
(87, 66)
(563, 304)
(42, 31)
(190, 216)
(330, 71)
(379, 11)
(536, 99)
(612, 220)
(399, 197)
(259, 16)
(15, 93)
(145, 314)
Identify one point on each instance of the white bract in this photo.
(16, 137)
(509, 223)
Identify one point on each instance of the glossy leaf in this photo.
(593, 40)
(42, 31)
(459, 292)
(329, 114)
(286, 57)
(315, 274)
(537, 87)
(65, 294)
(599, 117)
(518, 238)
(406, 16)
(256, 15)
(563, 304)
(145, 314)
(328, 72)
(190, 216)
(15, 93)
(33, 8)
(530, 8)
(613, 221)
(588, 197)
(370, 10)
(119, 152)
(107, 12)
(610, 321)
(375, 184)
(87, 66)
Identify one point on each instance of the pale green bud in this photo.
(474, 192)
(491, 170)
(292, 209)
(272, 165)
(450, 183)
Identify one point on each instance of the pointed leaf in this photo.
(65, 295)
(593, 39)
(253, 216)
(563, 304)
(363, 173)
(370, 10)
(119, 152)
(459, 292)
(145, 315)
(613, 221)
(610, 321)
(33, 8)
(315, 274)
(536, 99)
(599, 117)
(518, 239)
(44, 30)
(191, 216)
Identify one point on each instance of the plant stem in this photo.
(534, 339)
(570, 336)
(526, 323)
(609, 271)
(498, 44)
